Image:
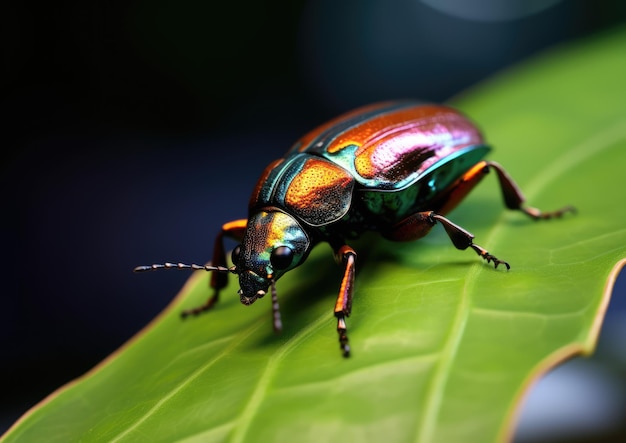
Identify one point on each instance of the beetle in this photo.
(395, 168)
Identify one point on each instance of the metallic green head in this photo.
(273, 244)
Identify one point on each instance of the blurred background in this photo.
(133, 129)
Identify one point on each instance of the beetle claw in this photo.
(489, 258)
(497, 262)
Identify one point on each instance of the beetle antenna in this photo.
(193, 267)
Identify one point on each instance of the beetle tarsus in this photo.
(489, 258)
(537, 214)
(343, 336)
(463, 239)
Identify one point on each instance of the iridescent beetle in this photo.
(395, 168)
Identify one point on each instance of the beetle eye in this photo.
(281, 257)
(235, 254)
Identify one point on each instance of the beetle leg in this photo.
(347, 256)
(462, 239)
(419, 224)
(513, 197)
(511, 193)
(413, 227)
(235, 230)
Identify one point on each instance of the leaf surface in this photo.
(444, 346)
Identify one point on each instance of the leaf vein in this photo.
(187, 380)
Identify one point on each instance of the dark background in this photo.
(133, 129)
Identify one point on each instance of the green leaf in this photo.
(444, 346)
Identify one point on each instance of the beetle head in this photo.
(273, 244)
